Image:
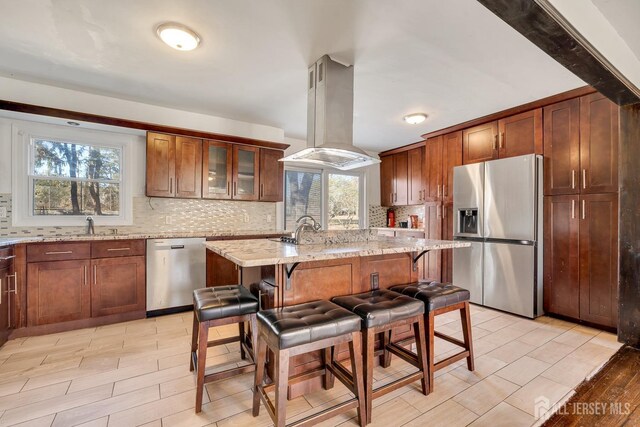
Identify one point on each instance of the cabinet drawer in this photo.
(117, 248)
(58, 251)
(6, 256)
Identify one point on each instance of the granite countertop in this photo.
(166, 235)
(254, 253)
(415, 230)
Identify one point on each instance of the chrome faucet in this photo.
(315, 226)
(90, 229)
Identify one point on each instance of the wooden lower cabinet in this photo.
(4, 304)
(118, 285)
(58, 291)
(581, 257)
(599, 259)
(221, 271)
(561, 255)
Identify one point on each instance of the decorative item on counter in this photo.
(414, 221)
(391, 218)
(404, 224)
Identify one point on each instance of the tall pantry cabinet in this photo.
(581, 209)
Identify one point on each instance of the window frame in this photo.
(24, 136)
(324, 202)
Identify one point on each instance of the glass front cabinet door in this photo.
(246, 180)
(217, 167)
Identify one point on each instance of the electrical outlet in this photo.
(268, 218)
(167, 220)
(3, 212)
(246, 217)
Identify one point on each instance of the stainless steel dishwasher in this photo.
(175, 267)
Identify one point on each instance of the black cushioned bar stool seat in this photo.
(223, 301)
(297, 329)
(305, 323)
(440, 298)
(380, 307)
(217, 306)
(380, 312)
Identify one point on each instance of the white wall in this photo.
(51, 96)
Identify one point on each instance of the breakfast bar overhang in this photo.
(294, 274)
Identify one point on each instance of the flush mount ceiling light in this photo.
(178, 36)
(415, 118)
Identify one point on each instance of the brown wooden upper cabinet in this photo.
(174, 166)
(451, 157)
(433, 169)
(415, 176)
(509, 137)
(480, 143)
(394, 173)
(271, 175)
(598, 144)
(581, 146)
(520, 134)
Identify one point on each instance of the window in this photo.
(343, 201)
(336, 199)
(303, 194)
(67, 178)
(61, 175)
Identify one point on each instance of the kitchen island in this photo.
(339, 264)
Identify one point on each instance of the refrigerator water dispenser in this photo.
(468, 221)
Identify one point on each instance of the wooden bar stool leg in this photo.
(254, 337)
(421, 350)
(431, 349)
(194, 341)
(243, 339)
(260, 351)
(465, 317)
(355, 353)
(203, 337)
(328, 379)
(385, 358)
(282, 382)
(369, 338)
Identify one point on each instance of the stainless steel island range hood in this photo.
(330, 119)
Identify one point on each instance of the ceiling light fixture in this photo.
(178, 36)
(415, 118)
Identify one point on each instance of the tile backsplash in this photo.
(378, 214)
(150, 216)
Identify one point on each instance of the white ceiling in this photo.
(624, 15)
(453, 60)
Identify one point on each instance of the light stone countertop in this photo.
(8, 241)
(258, 252)
(409, 230)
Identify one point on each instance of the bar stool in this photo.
(218, 306)
(440, 298)
(381, 311)
(297, 329)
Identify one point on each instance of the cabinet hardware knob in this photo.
(584, 178)
(573, 179)
(7, 258)
(58, 252)
(118, 249)
(584, 210)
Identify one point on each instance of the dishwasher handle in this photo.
(177, 246)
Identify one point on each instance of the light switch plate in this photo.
(3, 212)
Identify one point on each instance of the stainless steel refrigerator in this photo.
(498, 208)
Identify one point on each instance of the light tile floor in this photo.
(137, 373)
